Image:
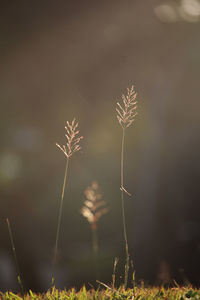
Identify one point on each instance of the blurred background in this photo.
(75, 59)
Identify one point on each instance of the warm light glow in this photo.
(166, 13)
(186, 10)
(190, 10)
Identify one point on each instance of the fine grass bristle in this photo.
(73, 139)
(126, 115)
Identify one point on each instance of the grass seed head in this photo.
(126, 112)
(93, 207)
(73, 139)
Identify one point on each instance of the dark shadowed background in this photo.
(66, 59)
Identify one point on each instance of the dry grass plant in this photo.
(72, 146)
(126, 114)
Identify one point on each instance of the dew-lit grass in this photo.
(176, 293)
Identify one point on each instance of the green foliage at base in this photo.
(138, 293)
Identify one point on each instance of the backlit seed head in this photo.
(127, 111)
(93, 207)
(73, 139)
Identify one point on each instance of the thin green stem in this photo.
(59, 219)
(15, 257)
(123, 211)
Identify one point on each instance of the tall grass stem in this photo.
(15, 257)
(59, 218)
(123, 211)
(126, 113)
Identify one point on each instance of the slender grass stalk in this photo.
(69, 149)
(123, 211)
(59, 219)
(125, 116)
(61, 207)
(15, 257)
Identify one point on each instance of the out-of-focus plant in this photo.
(72, 146)
(93, 209)
(126, 114)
